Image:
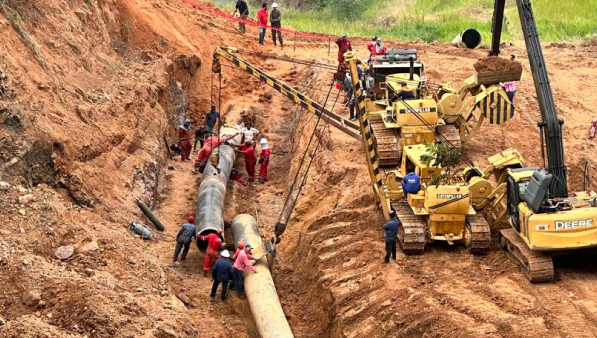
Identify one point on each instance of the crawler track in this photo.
(537, 266)
(386, 142)
(451, 134)
(478, 234)
(411, 234)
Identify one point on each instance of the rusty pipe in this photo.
(259, 287)
(209, 215)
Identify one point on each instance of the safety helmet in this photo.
(225, 253)
(191, 219)
(274, 5)
(344, 35)
(392, 213)
(241, 244)
(263, 141)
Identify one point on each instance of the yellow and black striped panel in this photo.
(367, 133)
(496, 107)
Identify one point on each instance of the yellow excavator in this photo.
(545, 220)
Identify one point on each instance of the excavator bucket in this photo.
(494, 105)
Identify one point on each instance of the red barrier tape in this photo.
(253, 23)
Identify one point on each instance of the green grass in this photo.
(440, 20)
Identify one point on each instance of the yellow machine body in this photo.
(447, 207)
(569, 229)
(412, 155)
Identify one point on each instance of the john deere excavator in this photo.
(545, 220)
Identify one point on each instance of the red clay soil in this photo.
(87, 93)
(496, 63)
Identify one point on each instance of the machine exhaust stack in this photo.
(260, 289)
(469, 38)
(412, 68)
(209, 216)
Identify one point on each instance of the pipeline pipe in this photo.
(209, 215)
(468, 38)
(156, 222)
(259, 288)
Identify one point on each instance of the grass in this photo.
(440, 20)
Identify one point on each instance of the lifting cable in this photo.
(281, 226)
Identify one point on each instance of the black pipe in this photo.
(412, 68)
(156, 222)
(209, 216)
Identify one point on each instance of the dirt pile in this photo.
(495, 64)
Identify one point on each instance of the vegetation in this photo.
(441, 155)
(440, 20)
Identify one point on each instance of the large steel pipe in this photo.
(209, 216)
(259, 287)
(468, 38)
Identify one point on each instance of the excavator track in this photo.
(386, 140)
(411, 234)
(451, 134)
(477, 234)
(537, 266)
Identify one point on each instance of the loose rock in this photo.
(64, 252)
(26, 199)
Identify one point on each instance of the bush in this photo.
(347, 9)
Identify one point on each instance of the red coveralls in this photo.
(371, 48)
(264, 160)
(184, 137)
(343, 47)
(250, 160)
(210, 144)
(214, 245)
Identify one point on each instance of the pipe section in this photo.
(259, 287)
(209, 215)
(156, 222)
(469, 38)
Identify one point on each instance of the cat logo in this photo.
(449, 196)
(419, 110)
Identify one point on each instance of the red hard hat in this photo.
(191, 219)
(337, 85)
(241, 244)
(219, 231)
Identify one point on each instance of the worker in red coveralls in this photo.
(376, 47)
(248, 150)
(263, 160)
(262, 21)
(235, 175)
(184, 136)
(214, 245)
(204, 154)
(343, 47)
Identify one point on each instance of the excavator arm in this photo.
(346, 126)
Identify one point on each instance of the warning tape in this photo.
(253, 23)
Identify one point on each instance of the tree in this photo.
(441, 154)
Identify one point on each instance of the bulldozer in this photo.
(543, 219)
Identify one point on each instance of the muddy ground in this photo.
(89, 90)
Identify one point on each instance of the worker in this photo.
(243, 12)
(510, 86)
(391, 228)
(411, 182)
(214, 245)
(201, 133)
(275, 18)
(248, 132)
(211, 118)
(184, 136)
(262, 21)
(248, 150)
(210, 145)
(376, 47)
(222, 273)
(405, 93)
(346, 86)
(263, 160)
(184, 238)
(235, 175)
(344, 46)
(242, 263)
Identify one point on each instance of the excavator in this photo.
(544, 219)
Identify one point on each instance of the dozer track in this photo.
(451, 134)
(537, 266)
(411, 234)
(477, 234)
(386, 142)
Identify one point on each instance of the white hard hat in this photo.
(274, 5)
(225, 253)
(263, 141)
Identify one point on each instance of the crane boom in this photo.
(550, 126)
